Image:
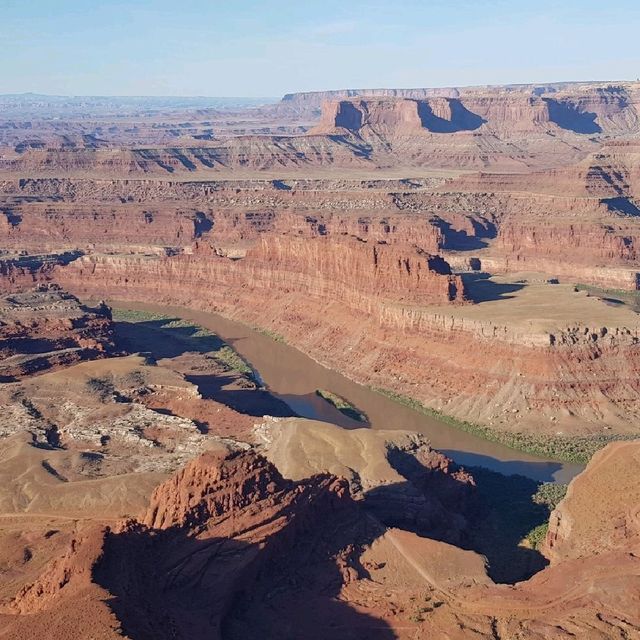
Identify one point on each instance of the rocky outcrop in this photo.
(239, 153)
(577, 222)
(511, 127)
(230, 549)
(215, 488)
(497, 127)
(225, 522)
(47, 327)
(19, 272)
(396, 475)
(577, 530)
(511, 374)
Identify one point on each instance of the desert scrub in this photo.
(342, 405)
(576, 449)
(549, 494)
(536, 536)
(621, 296)
(276, 337)
(131, 315)
(102, 387)
(190, 335)
(231, 359)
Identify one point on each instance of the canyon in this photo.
(230, 519)
(469, 253)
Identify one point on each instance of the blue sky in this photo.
(253, 48)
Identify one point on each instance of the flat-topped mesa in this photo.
(593, 111)
(316, 98)
(389, 117)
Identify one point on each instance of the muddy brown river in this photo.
(294, 377)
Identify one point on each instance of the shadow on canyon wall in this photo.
(462, 240)
(491, 519)
(480, 288)
(461, 118)
(349, 116)
(569, 116)
(169, 584)
(201, 224)
(503, 514)
(622, 206)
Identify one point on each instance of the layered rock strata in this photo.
(577, 224)
(360, 274)
(228, 548)
(579, 376)
(47, 327)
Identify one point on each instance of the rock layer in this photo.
(511, 373)
(310, 555)
(48, 327)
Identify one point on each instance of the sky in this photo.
(268, 48)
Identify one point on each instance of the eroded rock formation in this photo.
(410, 339)
(315, 563)
(226, 522)
(285, 232)
(47, 327)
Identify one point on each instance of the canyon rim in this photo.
(348, 363)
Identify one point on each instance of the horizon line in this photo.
(310, 91)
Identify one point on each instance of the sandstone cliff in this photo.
(577, 530)
(230, 549)
(579, 107)
(407, 336)
(358, 273)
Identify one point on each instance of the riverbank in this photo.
(342, 405)
(293, 377)
(577, 449)
(192, 336)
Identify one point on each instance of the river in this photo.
(294, 377)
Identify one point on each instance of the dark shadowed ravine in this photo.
(293, 377)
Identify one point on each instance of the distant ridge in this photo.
(536, 89)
